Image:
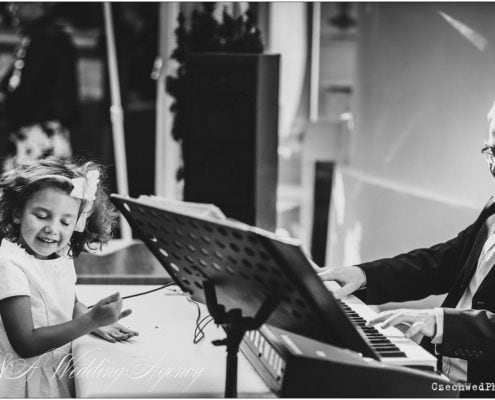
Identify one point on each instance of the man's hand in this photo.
(115, 333)
(419, 321)
(350, 278)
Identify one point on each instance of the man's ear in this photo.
(16, 216)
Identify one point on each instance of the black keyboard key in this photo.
(392, 354)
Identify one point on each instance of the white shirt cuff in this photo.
(438, 338)
(363, 285)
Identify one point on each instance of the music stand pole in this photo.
(235, 333)
(235, 326)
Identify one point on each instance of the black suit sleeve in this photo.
(468, 334)
(416, 274)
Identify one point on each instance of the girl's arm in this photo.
(28, 341)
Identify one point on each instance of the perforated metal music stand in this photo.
(245, 276)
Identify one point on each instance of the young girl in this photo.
(50, 211)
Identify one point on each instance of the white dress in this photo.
(51, 286)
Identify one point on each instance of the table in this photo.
(121, 262)
(162, 361)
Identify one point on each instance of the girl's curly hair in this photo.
(18, 185)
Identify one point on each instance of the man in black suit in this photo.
(463, 328)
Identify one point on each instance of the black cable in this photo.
(143, 293)
(200, 322)
(149, 291)
(198, 316)
(199, 330)
(199, 333)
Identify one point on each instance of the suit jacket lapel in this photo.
(489, 278)
(462, 281)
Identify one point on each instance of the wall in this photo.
(425, 80)
(288, 32)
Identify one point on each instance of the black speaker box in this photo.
(231, 134)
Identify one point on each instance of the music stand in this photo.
(257, 277)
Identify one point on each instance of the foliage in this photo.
(207, 35)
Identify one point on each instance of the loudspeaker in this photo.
(231, 134)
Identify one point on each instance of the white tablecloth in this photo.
(162, 361)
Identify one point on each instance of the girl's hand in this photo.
(108, 310)
(115, 332)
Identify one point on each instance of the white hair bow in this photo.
(84, 188)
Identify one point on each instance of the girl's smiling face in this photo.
(47, 221)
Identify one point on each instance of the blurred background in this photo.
(136, 40)
(377, 115)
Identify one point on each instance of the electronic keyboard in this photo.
(391, 345)
(294, 365)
